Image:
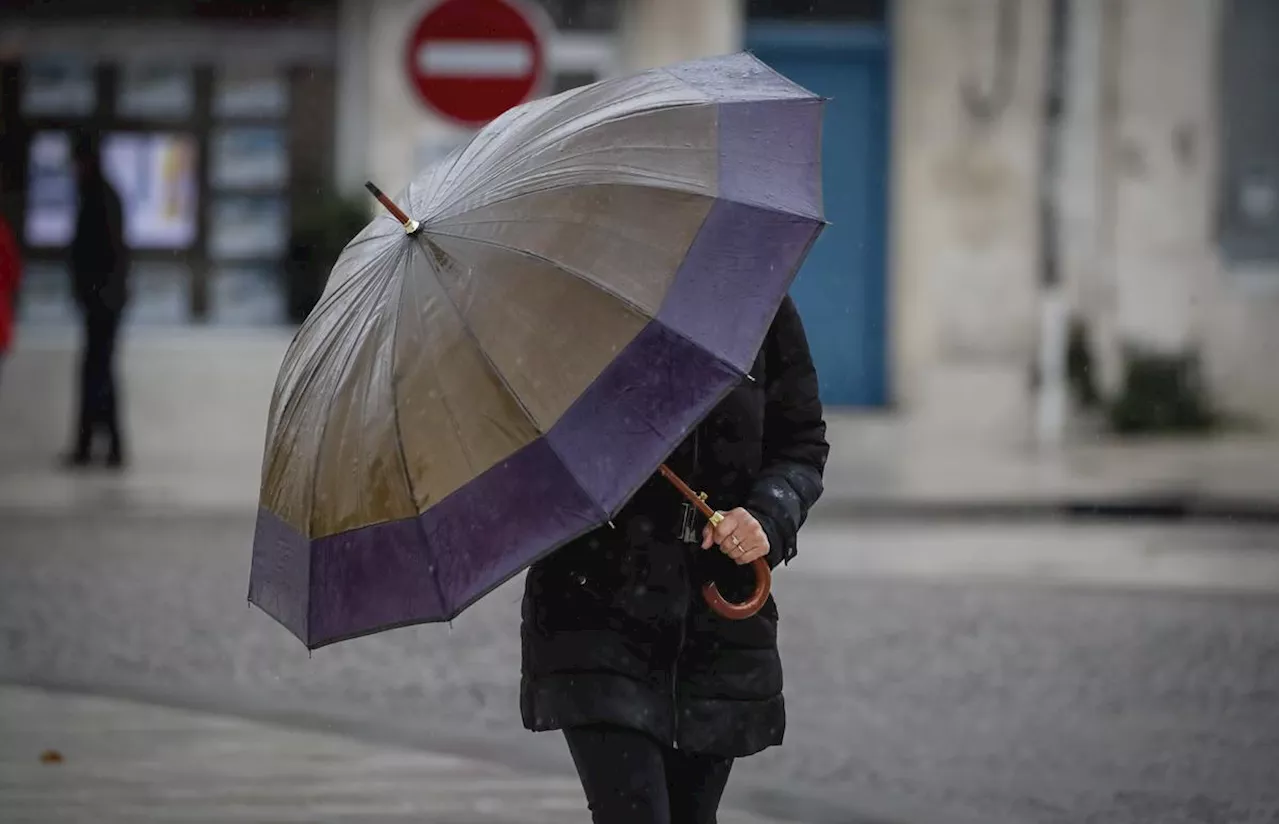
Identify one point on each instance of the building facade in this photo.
(1164, 193)
(993, 169)
(216, 122)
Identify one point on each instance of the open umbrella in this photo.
(495, 370)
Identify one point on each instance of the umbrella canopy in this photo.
(579, 286)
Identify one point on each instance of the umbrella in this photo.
(496, 369)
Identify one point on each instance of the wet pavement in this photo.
(950, 698)
(74, 758)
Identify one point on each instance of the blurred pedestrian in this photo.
(655, 693)
(10, 277)
(99, 270)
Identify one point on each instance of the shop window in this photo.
(246, 295)
(1247, 93)
(159, 292)
(248, 227)
(51, 190)
(46, 292)
(58, 87)
(154, 173)
(250, 93)
(151, 91)
(248, 157)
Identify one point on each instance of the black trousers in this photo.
(630, 778)
(98, 396)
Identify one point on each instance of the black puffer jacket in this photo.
(614, 627)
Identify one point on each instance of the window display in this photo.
(58, 87)
(248, 157)
(250, 93)
(155, 175)
(153, 172)
(155, 91)
(247, 226)
(51, 190)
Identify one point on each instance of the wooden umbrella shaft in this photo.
(410, 225)
(717, 602)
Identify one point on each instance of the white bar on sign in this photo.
(475, 58)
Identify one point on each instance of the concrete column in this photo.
(1165, 169)
(659, 32)
(964, 264)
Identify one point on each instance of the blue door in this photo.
(841, 289)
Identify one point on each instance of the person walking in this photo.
(10, 278)
(99, 262)
(655, 694)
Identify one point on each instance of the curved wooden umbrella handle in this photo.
(718, 603)
(749, 607)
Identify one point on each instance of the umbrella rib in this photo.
(566, 161)
(288, 413)
(802, 92)
(517, 157)
(437, 175)
(471, 335)
(561, 179)
(553, 157)
(493, 367)
(365, 322)
(623, 299)
(444, 396)
(404, 459)
(293, 404)
(547, 220)
(444, 219)
(352, 279)
(589, 280)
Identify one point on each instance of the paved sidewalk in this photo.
(129, 762)
(883, 466)
(196, 402)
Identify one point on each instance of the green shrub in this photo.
(1080, 371)
(1161, 393)
(320, 231)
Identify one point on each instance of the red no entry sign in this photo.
(471, 60)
